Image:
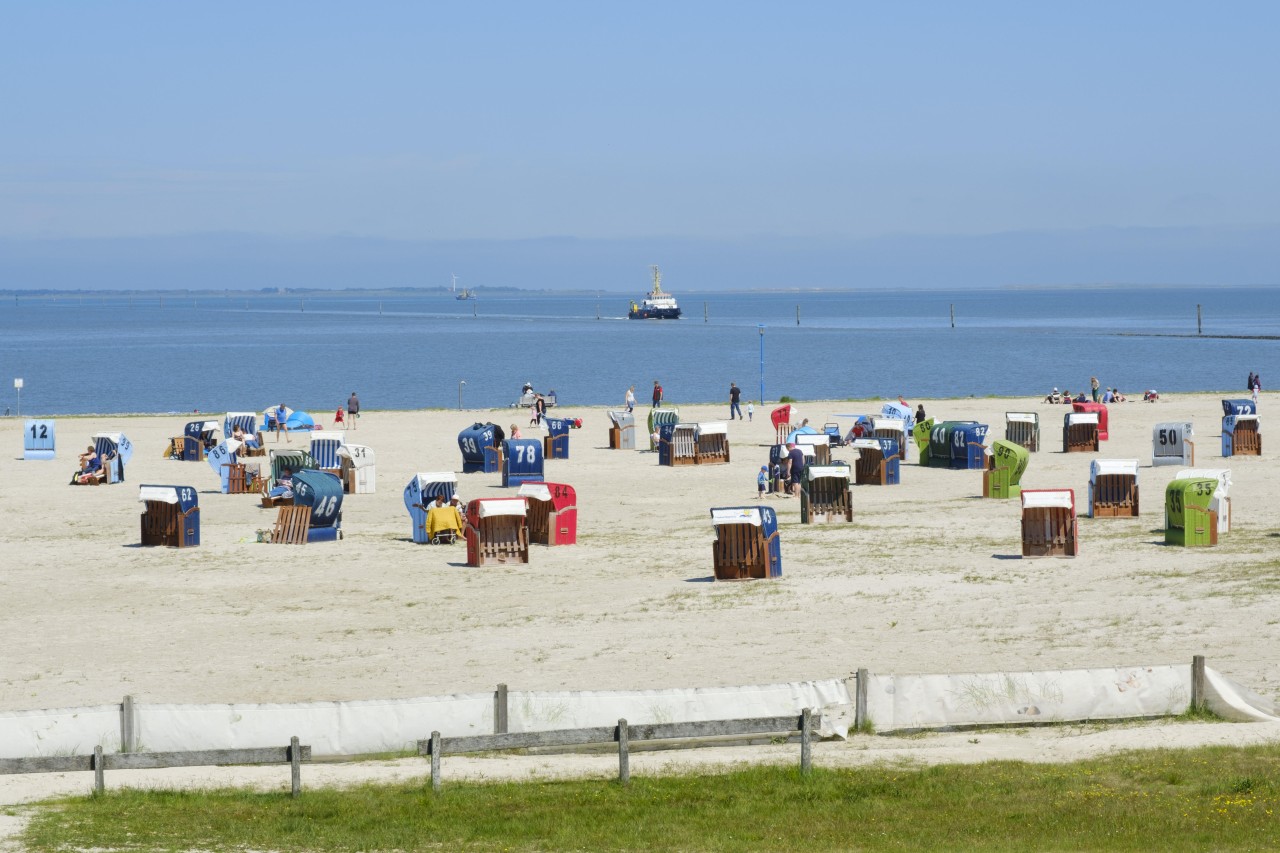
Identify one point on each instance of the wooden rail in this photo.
(623, 734)
(100, 762)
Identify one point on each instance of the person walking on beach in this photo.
(762, 482)
(1094, 384)
(631, 399)
(797, 468)
(751, 410)
(353, 410)
(735, 396)
(1257, 389)
(657, 395)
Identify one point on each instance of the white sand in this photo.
(926, 579)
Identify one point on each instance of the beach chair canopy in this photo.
(1100, 467)
(1075, 418)
(184, 496)
(1010, 456)
(1238, 407)
(902, 413)
(1222, 475)
(736, 515)
(320, 491)
(784, 415)
(718, 428)
(1186, 493)
(1040, 498)
(201, 429)
(424, 487)
(223, 454)
(804, 430)
(113, 443)
(560, 495)
(622, 419)
(812, 439)
(818, 472)
(359, 455)
(493, 507)
(294, 460)
(247, 421)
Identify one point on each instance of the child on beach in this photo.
(762, 482)
(751, 410)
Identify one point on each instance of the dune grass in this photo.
(1201, 799)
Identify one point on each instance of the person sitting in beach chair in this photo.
(238, 433)
(444, 521)
(284, 485)
(90, 468)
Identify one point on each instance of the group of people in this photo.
(353, 413)
(784, 477)
(1254, 387)
(1099, 394)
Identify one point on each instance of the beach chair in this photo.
(248, 424)
(39, 440)
(497, 532)
(1241, 432)
(711, 444)
(320, 493)
(659, 418)
(358, 469)
(1171, 444)
(481, 448)
(197, 438)
(552, 513)
(115, 451)
(324, 449)
(1221, 501)
(878, 463)
(1008, 462)
(825, 494)
(891, 427)
(746, 544)
(622, 430)
(1080, 432)
(555, 444)
(1023, 428)
(1113, 488)
(296, 461)
(678, 444)
(1049, 526)
(835, 438)
(420, 495)
(521, 462)
(899, 412)
(234, 476)
(1189, 516)
(922, 435)
(782, 419)
(171, 516)
(820, 443)
(1098, 409)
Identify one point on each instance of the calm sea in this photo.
(218, 352)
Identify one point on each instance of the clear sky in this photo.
(600, 120)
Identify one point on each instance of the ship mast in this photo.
(657, 281)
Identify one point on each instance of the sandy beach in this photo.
(927, 578)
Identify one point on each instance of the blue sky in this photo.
(604, 122)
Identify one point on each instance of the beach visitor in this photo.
(515, 431)
(735, 395)
(353, 409)
(1094, 385)
(775, 478)
(657, 395)
(1107, 396)
(920, 415)
(751, 410)
(337, 417)
(762, 482)
(1151, 395)
(278, 425)
(797, 467)
(1257, 389)
(90, 465)
(1248, 386)
(284, 485)
(655, 437)
(539, 409)
(631, 398)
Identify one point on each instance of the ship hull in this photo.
(655, 314)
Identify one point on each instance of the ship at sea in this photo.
(461, 294)
(657, 305)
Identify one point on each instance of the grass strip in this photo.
(1213, 798)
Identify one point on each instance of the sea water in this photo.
(214, 352)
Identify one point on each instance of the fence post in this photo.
(435, 761)
(1197, 683)
(806, 757)
(860, 700)
(624, 753)
(295, 767)
(99, 775)
(500, 710)
(128, 732)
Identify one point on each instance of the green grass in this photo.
(1214, 798)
